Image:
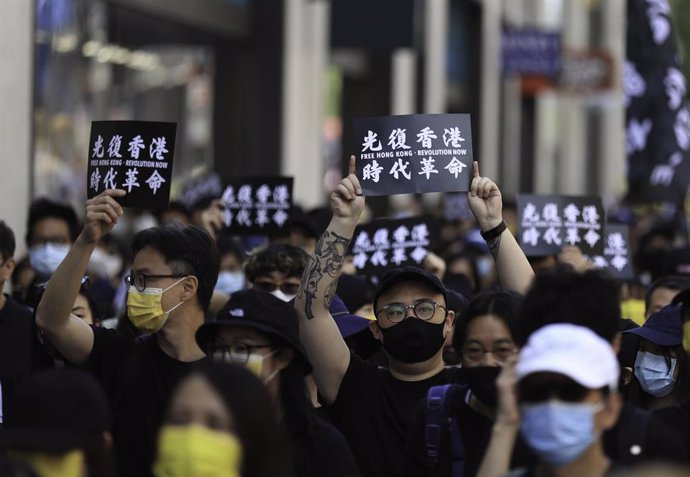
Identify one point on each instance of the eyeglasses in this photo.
(237, 353)
(475, 353)
(288, 288)
(424, 310)
(139, 279)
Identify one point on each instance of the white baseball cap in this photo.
(573, 351)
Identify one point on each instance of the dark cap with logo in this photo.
(409, 274)
(260, 311)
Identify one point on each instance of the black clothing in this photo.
(640, 436)
(475, 430)
(678, 417)
(374, 412)
(139, 379)
(21, 353)
(322, 451)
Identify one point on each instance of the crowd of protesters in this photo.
(135, 345)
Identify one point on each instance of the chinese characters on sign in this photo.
(616, 258)
(413, 153)
(136, 156)
(385, 244)
(548, 223)
(257, 205)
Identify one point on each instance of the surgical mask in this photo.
(230, 282)
(255, 364)
(104, 264)
(70, 464)
(559, 432)
(482, 383)
(278, 293)
(45, 258)
(196, 451)
(413, 340)
(654, 375)
(144, 308)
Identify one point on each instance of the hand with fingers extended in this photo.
(485, 200)
(102, 213)
(347, 201)
(507, 412)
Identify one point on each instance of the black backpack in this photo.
(441, 423)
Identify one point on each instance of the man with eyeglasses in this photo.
(373, 407)
(173, 273)
(277, 269)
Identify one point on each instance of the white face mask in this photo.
(278, 293)
(47, 257)
(230, 282)
(654, 374)
(104, 264)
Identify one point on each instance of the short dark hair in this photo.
(503, 304)
(44, 208)
(277, 257)
(7, 243)
(227, 245)
(187, 249)
(672, 282)
(562, 295)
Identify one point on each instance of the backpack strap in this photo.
(440, 421)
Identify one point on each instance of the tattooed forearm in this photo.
(320, 279)
(494, 244)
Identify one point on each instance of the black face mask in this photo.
(482, 383)
(413, 340)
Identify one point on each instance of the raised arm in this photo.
(70, 334)
(514, 271)
(320, 335)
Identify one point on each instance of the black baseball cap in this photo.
(411, 274)
(55, 411)
(260, 311)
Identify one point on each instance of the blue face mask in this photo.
(230, 282)
(45, 258)
(654, 374)
(559, 432)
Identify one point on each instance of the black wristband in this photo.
(495, 232)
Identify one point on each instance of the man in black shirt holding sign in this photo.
(373, 406)
(173, 274)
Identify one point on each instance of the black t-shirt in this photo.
(374, 412)
(640, 436)
(678, 418)
(322, 450)
(475, 432)
(20, 351)
(139, 379)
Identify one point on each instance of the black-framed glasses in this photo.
(475, 353)
(237, 353)
(288, 288)
(424, 310)
(139, 279)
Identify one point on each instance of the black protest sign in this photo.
(136, 156)
(201, 189)
(257, 205)
(385, 244)
(413, 153)
(616, 257)
(550, 222)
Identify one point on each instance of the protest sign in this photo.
(201, 189)
(136, 156)
(257, 205)
(385, 244)
(616, 257)
(530, 51)
(413, 153)
(550, 222)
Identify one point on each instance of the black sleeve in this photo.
(359, 375)
(109, 349)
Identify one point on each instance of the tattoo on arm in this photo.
(494, 244)
(320, 279)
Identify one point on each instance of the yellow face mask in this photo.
(634, 309)
(71, 464)
(196, 451)
(144, 308)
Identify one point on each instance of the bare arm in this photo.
(320, 335)
(70, 334)
(514, 271)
